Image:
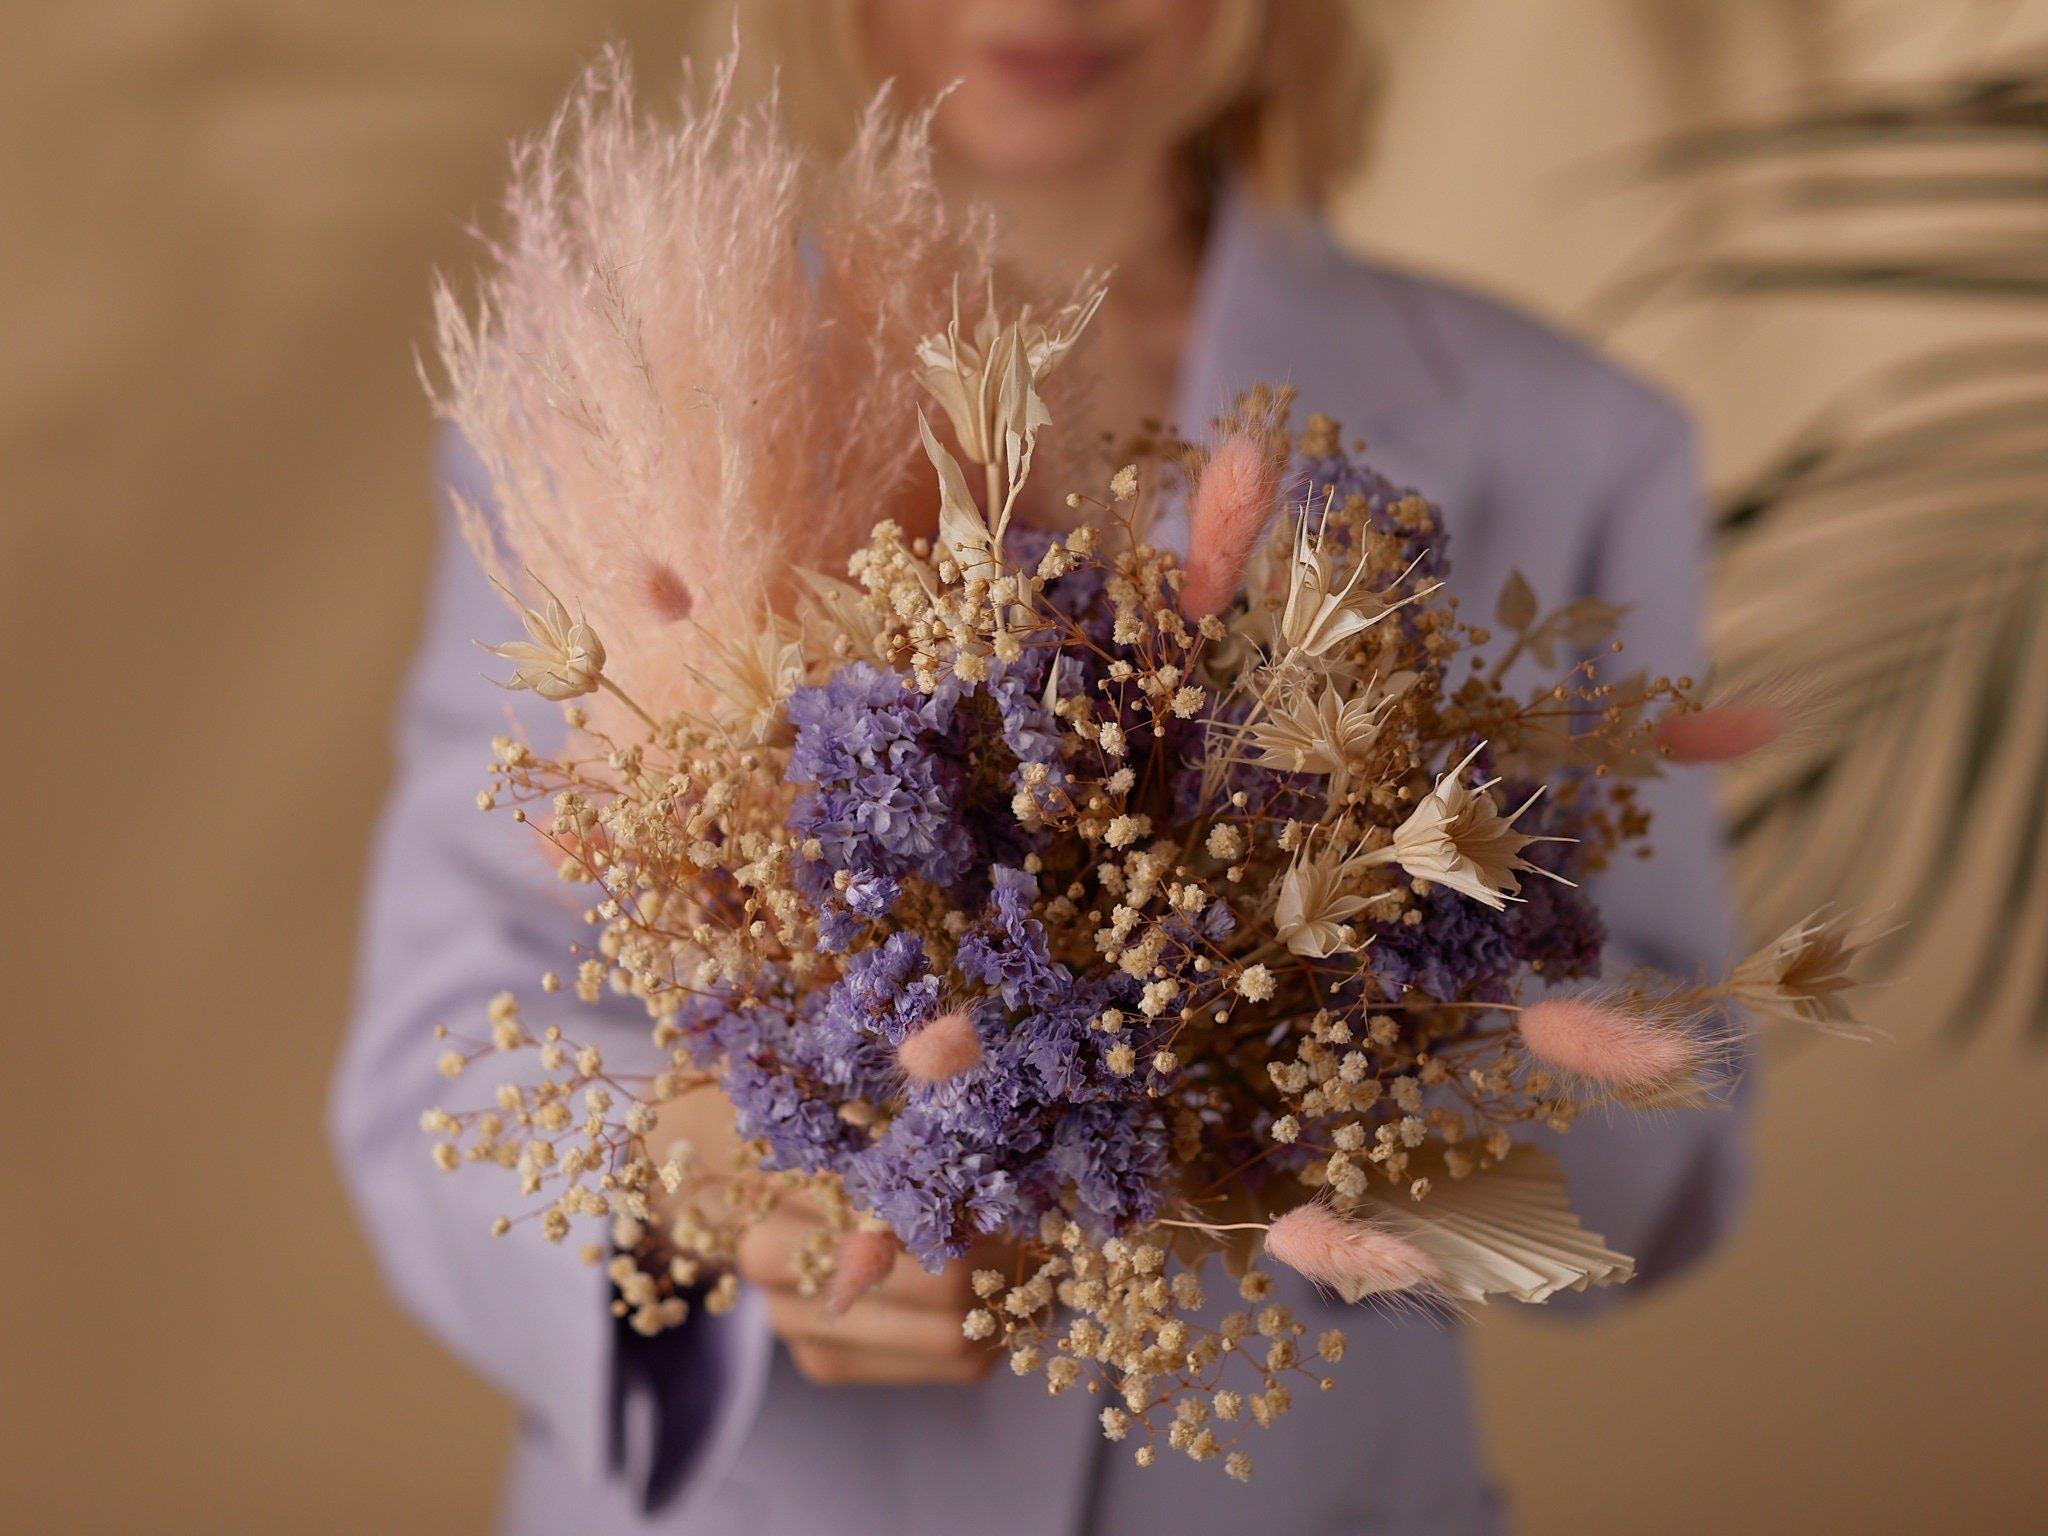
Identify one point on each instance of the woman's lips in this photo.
(1052, 69)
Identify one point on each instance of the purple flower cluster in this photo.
(900, 786)
(785, 1072)
(884, 804)
(1556, 926)
(895, 787)
(903, 785)
(1042, 1122)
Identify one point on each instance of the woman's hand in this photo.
(903, 1332)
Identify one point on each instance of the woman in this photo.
(1185, 142)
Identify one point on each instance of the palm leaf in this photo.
(1895, 552)
(1905, 569)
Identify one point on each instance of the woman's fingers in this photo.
(766, 1251)
(835, 1365)
(877, 1341)
(874, 1322)
(907, 1330)
(908, 1282)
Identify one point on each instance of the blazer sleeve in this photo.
(1665, 1187)
(461, 906)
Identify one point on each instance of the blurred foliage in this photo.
(1895, 553)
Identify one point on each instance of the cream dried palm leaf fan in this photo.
(1896, 553)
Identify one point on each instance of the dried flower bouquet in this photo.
(1011, 875)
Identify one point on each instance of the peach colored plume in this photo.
(1607, 1045)
(863, 1260)
(1233, 502)
(1720, 733)
(1351, 1256)
(691, 364)
(940, 1048)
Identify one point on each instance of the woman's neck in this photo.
(1128, 216)
(1130, 221)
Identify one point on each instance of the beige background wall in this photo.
(216, 225)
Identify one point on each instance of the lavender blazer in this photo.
(1543, 457)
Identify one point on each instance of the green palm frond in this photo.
(1895, 554)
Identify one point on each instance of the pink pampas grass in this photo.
(1233, 502)
(1630, 1053)
(1720, 733)
(864, 1259)
(690, 366)
(942, 1048)
(1351, 1256)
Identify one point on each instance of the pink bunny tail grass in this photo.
(1721, 733)
(863, 1262)
(1347, 1254)
(1628, 1053)
(1233, 503)
(943, 1048)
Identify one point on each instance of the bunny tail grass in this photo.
(1233, 503)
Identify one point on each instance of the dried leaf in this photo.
(1516, 609)
(1589, 622)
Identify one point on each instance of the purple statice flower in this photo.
(1007, 949)
(1011, 728)
(884, 992)
(900, 786)
(1560, 929)
(785, 1075)
(1029, 729)
(1217, 922)
(1040, 1117)
(1558, 926)
(1112, 1156)
(881, 803)
(1462, 950)
(986, 1151)
(1192, 936)
(838, 928)
(1028, 733)
(1054, 1055)
(937, 1184)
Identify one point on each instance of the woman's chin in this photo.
(1026, 146)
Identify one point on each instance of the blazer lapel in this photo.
(1280, 303)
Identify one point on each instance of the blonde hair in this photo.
(1294, 83)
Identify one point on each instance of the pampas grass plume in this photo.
(1350, 1255)
(1233, 502)
(863, 1260)
(688, 369)
(1720, 733)
(940, 1049)
(1607, 1044)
